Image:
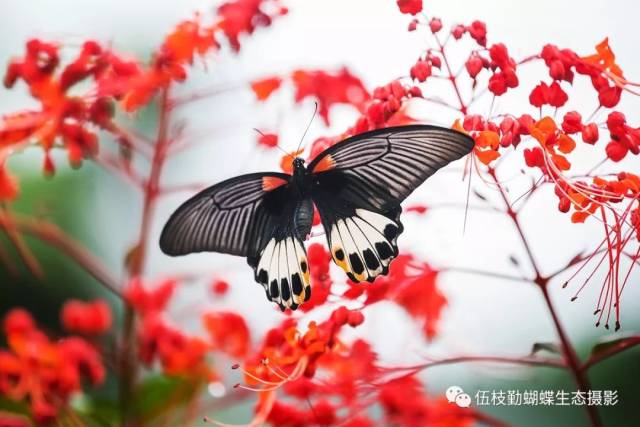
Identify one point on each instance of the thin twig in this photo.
(54, 236)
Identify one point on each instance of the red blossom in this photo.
(91, 318)
(8, 183)
(265, 87)
(329, 89)
(240, 17)
(590, 133)
(473, 65)
(412, 285)
(228, 331)
(458, 31)
(72, 119)
(421, 70)
(219, 287)
(405, 403)
(552, 95)
(149, 301)
(478, 31)
(435, 25)
(42, 372)
(559, 62)
(572, 122)
(269, 140)
(177, 352)
(412, 7)
(505, 75)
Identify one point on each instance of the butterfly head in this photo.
(298, 163)
(298, 167)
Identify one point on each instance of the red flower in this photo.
(329, 89)
(609, 96)
(149, 301)
(552, 95)
(228, 331)
(421, 70)
(473, 65)
(405, 403)
(418, 293)
(178, 353)
(219, 287)
(43, 372)
(435, 25)
(505, 75)
(265, 87)
(412, 7)
(478, 31)
(239, 17)
(590, 133)
(559, 62)
(91, 318)
(62, 115)
(616, 151)
(269, 140)
(572, 122)
(458, 31)
(8, 183)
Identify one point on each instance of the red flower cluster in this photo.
(240, 17)
(74, 119)
(405, 403)
(177, 352)
(43, 372)
(412, 285)
(228, 331)
(62, 114)
(328, 89)
(411, 7)
(91, 318)
(624, 138)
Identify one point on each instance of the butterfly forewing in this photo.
(398, 159)
(235, 216)
(360, 182)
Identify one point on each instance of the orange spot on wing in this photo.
(325, 164)
(270, 183)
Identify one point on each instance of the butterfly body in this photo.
(356, 185)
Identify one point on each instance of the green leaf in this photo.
(158, 394)
(103, 412)
(614, 345)
(550, 347)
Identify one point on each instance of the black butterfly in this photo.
(357, 186)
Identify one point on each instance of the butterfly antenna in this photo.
(277, 146)
(315, 111)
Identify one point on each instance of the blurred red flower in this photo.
(42, 371)
(90, 318)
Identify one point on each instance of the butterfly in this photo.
(356, 185)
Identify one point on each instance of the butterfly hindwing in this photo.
(281, 267)
(362, 240)
(358, 185)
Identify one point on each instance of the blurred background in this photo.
(483, 316)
